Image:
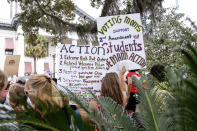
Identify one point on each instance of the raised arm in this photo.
(122, 82)
(125, 89)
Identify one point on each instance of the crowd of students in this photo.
(116, 86)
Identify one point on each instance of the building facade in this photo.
(13, 60)
(12, 44)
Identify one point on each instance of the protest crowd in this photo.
(131, 69)
(118, 86)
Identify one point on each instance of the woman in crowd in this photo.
(113, 86)
(17, 93)
(19, 82)
(44, 88)
(3, 113)
(4, 93)
(45, 99)
(3, 85)
(3, 81)
(41, 88)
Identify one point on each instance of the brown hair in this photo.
(16, 90)
(159, 72)
(111, 87)
(44, 89)
(3, 80)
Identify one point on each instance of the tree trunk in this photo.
(35, 65)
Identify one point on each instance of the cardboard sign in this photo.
(11, 64)
(123, 38)
(81, 68)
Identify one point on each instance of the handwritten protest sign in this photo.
(123, 38)
(81, 68)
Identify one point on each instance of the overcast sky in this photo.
(4, 9)
(185, 6)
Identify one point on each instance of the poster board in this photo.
(81, 68)
(123, 38)
(11, 64)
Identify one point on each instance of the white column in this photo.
(20, 51)
(11, 10)
(16, 7)
(2, 54)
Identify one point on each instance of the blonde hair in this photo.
(45, 89)
(16, 90)
(111, 87)
(3, 80)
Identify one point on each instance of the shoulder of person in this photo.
(4, 109)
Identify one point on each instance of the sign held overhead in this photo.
(122, 37)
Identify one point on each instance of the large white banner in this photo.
(123, 38)
(81, 68)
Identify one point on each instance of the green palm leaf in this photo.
(52, 118)
(112, 116)
(153, 104)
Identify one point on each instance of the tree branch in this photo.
(55, 17)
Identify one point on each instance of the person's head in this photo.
(43, 88)
(55, 80)
(21, 80)
(3, 80)
(134, 70)
(158, 71)
(111, 87)
(16, 92)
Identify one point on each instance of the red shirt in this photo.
(134, 89)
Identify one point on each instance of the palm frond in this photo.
(172, 105)
(111, 116)
(8, 128)
(190, 58)
(46, 116)
(115, 113)
(186, 107)
(82, 102)
(153, 106)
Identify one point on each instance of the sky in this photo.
(4, 9)
(185, 6)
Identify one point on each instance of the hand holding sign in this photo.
(123, 70)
